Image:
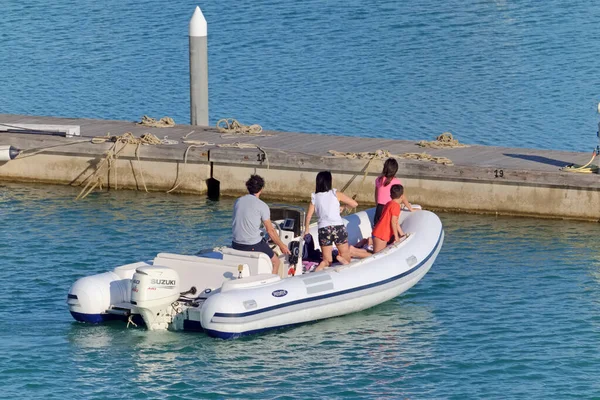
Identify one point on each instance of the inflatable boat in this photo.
(229, 293)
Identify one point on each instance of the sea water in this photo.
(519, 74)
(510, 309)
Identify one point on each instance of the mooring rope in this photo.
(583, 169)
(443, 141)
(239, 145)
(385, 154)
(427, 157)
(200, 143)
(230, 127)
(185, 155)
(382, 155)
(128, 138)
(164, 122)
(119, 144)
(371, 155)
(40, 150)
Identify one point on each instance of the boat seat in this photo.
(259, 263)
(359, 225)
(200, 271)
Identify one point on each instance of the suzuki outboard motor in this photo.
(154, 292)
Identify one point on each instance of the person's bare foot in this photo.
(342, 260)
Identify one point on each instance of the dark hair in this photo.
(323, 182)
(390, 167)
(396, 191)
(255, 184)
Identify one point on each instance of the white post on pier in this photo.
(198, 69)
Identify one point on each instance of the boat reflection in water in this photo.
(401, 333)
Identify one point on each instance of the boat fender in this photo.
(8, 153)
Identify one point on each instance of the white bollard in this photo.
(198, 69)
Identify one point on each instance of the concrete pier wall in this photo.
(53, 161)
(482, 179)
(461, 196)
(466, 189)
(125, 173)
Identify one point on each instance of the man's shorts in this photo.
(261, 246)
(330, 235)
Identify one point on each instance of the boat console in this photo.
(288, 222)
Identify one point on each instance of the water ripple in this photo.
(510, 307)
(491, 72)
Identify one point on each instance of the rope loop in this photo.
(119, 144)
(233, 126)
(164, 122)
(443, 141)
(588, 168)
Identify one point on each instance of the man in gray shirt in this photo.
(248, 213)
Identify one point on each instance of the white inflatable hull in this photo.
(260, 302)
(330, 293)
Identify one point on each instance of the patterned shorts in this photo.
(330, 235)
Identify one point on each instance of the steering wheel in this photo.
(265, 233)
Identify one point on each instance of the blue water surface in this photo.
(511, 309)
(520, 74)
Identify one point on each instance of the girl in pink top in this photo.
(383, 184)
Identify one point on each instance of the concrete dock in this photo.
(481, 179)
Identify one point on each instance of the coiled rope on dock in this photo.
(588, 168)
(164, 122)
(443, 141)
(231, 126)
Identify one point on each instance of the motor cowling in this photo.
(154, 286)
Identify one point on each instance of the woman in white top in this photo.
(326, 202)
